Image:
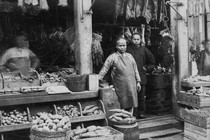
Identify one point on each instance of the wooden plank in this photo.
(195, 84)
(159, 133)
(15, 127)
(17, 100)
(157, 123)
(194, 132)
(88, 118)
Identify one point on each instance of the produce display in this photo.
(122, 116)
(68, 110)
(19, 76)
(90, 131)
(47, 122)
(50, 77)
(200, 91)
(161, 70)
(14, 117)
(91, 110)
(197, 78)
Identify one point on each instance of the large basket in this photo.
(38, 135)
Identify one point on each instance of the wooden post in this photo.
(181, 51)
(83, 38)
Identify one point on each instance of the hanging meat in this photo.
(43, 5)
(62, 3)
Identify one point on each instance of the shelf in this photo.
(195, 84)
(6, 100)
(15, 127)
(73, 120)
(88, 118)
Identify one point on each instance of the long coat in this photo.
(124, 75)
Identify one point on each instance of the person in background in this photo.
(165, 58)
(145, 61)
(203, 62)
(19, 57)
(125, 76)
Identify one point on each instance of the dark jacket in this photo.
(200, 64)
(143, 57)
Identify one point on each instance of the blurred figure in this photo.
(203, 61)
(19, 57)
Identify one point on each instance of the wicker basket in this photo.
(37, 135)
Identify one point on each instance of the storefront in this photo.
(76, 36)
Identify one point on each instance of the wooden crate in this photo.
(115, 135)
(195, 84)
(193, 100)
(193, 132)
(16, 126)
(194, 118)
(15, 80)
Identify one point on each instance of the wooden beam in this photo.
(83, 29)
(181, 51)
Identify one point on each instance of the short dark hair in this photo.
(205, 41)
(136, 33)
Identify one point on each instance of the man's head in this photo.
(136, 39)
(121, 45)
(21, 41)
(207, 45)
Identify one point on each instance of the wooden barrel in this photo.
(130, 131)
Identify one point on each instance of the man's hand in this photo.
(138, 87)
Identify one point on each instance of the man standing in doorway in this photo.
(145, 61)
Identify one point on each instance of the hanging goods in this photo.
(43, 5)
(20, 3)
(63, 3)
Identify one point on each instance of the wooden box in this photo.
(115, 135)
(195, 118)
(194, 132)
(93, 82)
(195, 84)
(6, 117)
(15, 80)
(193, 100)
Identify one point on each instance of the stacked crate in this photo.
(196, 120)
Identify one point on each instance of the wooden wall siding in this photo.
(179, 30)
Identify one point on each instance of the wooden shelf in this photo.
(73, 120)
(88, 118)
(15, 127)
(18, 99)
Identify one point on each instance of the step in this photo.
(159, 133)
(158, 123)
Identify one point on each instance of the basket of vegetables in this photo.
(51, 127)
(122, 117)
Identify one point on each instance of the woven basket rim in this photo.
(50, 134)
